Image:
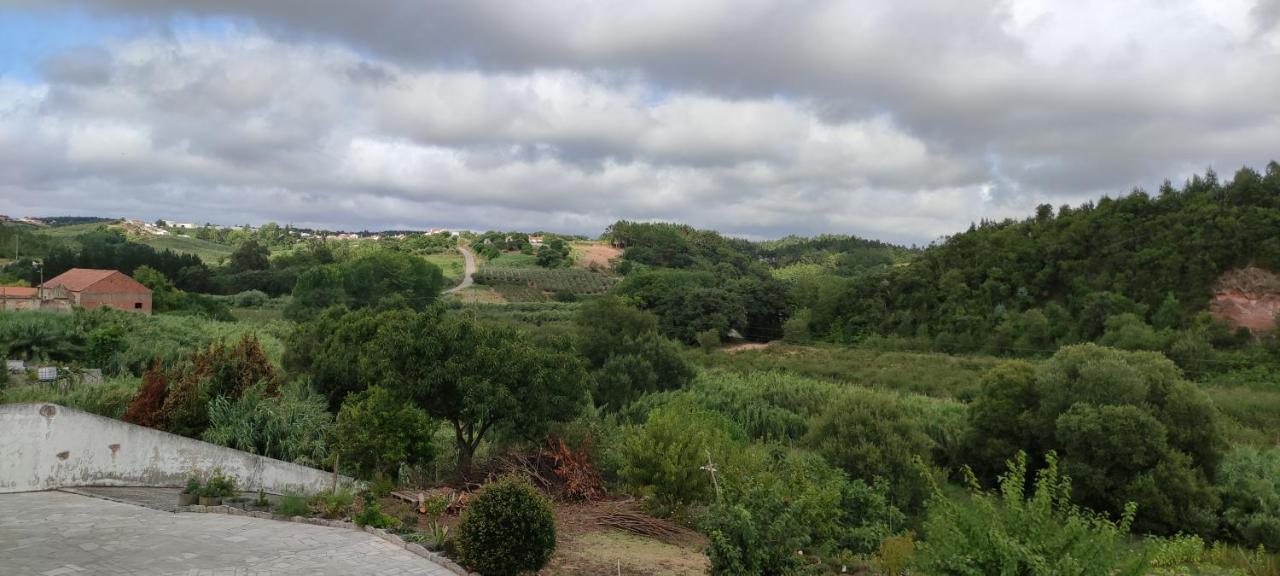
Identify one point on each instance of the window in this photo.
(137, 305)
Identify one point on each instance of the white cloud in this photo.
(904, 120)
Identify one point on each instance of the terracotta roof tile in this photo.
(17, 292)
(77, 279)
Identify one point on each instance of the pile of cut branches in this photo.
(558, 470)
(645, 525)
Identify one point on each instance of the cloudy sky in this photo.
(902, 120)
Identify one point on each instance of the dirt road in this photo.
(469, 269)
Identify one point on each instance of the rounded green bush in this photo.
(508, 528)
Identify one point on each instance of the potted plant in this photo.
(191, 493)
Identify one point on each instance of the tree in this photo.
(381, 280)
(376, 433)
(476, 376)
(1128, 427)
(250, 255)
(628, 355)
(872, 436)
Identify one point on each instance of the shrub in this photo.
(663, 459)
(874, 436)
(508, 528)
(220, 485)
(784, 510)
(376, 433)
(291, 426)
(293, 503)
(250, 299)
(334, 504)
(1249, 483)
(372, 515)
(1006, 532)
(1128, 427)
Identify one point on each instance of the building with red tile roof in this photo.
(90, 289)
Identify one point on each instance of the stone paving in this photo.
(56, 533)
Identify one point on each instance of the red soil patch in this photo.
(598, 255)
(1248, 298)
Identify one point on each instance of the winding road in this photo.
(470, 269)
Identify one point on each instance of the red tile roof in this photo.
(77, 279)
(17, 292)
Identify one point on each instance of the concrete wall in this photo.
(45, 446)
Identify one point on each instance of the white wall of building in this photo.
(46, 446)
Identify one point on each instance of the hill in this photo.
(1066, 276)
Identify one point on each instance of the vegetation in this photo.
(1018, 359)
(475, 376)
(1129, 429)
(1013, 532)
(507, 529)
(382, 280)
(377, 433)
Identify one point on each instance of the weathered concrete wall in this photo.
(45, 446)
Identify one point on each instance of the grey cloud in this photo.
(820, 114)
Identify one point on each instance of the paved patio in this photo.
(56, 533)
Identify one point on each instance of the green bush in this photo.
(783, 510)
(376, 433)
(293, 503)
(1128, 427)
(663, 459)
(334, 504)
(1007, 532)
(372, 515)
(508, 528)
(250, 299)
(874, 436)
(1249, 482)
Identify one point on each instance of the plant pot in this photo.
(210, 500)
(186, 499)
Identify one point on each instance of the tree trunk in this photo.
(465, 455)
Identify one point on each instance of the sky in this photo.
(901, 120)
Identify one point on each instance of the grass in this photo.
(110, 398)
(477, 294)
(931, 374)
(1251, 416)
(70, 230)
(604, 551)
(209, 252)
(512, 260)
(258, 316)
(451, 263)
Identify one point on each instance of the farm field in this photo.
(209, 252)
(450, 263)
(538, 284)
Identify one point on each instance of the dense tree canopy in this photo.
(1157, 257)
(381, 279)
(1128, 428)
(477, 377)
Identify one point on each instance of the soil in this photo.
(599, 254)
(732, 348)
(584, 547)
(1248, 297)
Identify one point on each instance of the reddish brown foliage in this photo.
(176, 400)
(559, 471)
(146, 409)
